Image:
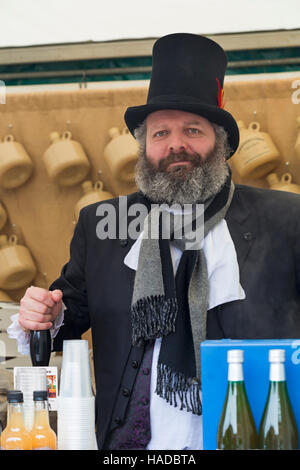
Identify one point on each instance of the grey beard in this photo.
(187, 186)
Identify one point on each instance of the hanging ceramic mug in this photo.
(256, 155)
(3, 216)
(121, 155)
(4, 297)
(65, 160)
(17, 268)
(92, 193)
(283, 184)
(15, 164)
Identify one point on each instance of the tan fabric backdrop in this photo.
(44, 213)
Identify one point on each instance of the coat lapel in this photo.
(240, 219)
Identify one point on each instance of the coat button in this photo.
(125, 392)
(123, 242)
(146, 371)
(248, 236)
(135, 364)
(118, 420)
(145, 401)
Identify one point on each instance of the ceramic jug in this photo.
(17, 268)
(121, 154)
(297, 145)
(65, 160)
(92, 193)
(4, 297)
(15, 164)
(3, 216)
(283, 184)
(256, 155)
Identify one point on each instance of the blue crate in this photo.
(214, 369)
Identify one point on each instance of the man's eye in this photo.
(160, 133)
(193, 130)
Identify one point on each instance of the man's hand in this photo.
(39, 308)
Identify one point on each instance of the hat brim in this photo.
(135, 115)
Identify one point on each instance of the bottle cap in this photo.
(235, 355)
(40, 395)
(276, 355)
(14, 396)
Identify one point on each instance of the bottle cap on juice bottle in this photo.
(14, 396)
(235, 355)
(40, 395)
(276, 355)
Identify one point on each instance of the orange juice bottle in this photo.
(43, 437)
(15, 436)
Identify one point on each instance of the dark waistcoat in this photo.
(97, 290)
(135, 431)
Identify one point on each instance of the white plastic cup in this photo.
(76, 424)
(78, 444)
(75, 372)
(76, 402)
(76, 413)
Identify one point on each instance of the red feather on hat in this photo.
(221, 103)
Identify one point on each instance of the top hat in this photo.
(187, 74)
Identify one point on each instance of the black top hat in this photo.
(187, 74)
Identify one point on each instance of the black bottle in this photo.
(40, 347)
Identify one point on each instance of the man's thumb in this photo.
(56, 295)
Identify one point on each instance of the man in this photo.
(150, 301)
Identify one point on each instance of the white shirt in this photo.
(224, 286)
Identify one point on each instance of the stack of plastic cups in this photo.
(76, 402)
(29, 379)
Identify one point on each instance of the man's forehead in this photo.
(165, 116)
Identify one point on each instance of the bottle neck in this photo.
(277, 372)
(41, 415)
(15, 415)
(235, 372)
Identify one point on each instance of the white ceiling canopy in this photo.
(39, 22)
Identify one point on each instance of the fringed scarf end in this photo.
(174, 385)
(153, 317)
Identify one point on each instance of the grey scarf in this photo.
(176, 308)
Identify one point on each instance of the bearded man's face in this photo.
(183, 161)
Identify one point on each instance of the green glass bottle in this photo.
(236, 430)
(278, 428)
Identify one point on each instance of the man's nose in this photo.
(177, 143)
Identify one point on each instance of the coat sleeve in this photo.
(72, 283)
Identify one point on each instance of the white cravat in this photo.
(222, 265)
(224, 286)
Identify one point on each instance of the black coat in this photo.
(97, 288)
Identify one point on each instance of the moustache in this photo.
(183, 156)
